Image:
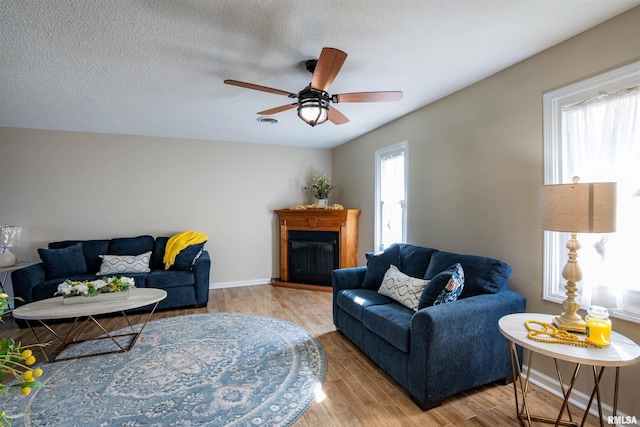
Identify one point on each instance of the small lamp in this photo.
(9, 237)
(577, 208)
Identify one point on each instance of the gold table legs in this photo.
(522, 410)
(76, 329)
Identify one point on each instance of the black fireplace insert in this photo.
(313, 255)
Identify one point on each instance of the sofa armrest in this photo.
(201, 272)
(24, 280)
(346, 278)
(457, 345)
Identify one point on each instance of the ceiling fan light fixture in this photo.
(313, 107)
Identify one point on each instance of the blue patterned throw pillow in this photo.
(445, 286)
(402, 288)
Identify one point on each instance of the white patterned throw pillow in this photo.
(402, 288)
(120, 264)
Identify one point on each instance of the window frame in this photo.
(553, 102)
(401, 147)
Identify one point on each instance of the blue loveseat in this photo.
(186, 282)
(438, 350)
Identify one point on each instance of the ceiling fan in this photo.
(313, 101)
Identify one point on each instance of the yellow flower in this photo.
(26, 354)
(25, 391)
(28, 376)
(37, 372)
(3, 295)
(29, 360)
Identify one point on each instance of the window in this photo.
(592, 130)
(391, 195)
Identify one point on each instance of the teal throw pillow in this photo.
(445, 286)
(62, 263)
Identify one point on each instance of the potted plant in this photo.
(320, 188)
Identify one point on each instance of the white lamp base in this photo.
(7, 259)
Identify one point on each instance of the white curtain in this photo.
(601, 142)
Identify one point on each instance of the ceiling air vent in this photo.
(267, 120)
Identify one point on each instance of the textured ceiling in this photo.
(156, 67)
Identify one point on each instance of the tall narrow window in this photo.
(592, 130)
(391, 195)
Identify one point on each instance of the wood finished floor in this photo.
(358, 393)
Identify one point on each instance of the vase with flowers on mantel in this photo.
(320, 188)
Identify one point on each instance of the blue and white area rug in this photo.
(214, 369)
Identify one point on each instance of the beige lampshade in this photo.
(579, 207)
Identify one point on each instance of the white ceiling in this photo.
(156, 67)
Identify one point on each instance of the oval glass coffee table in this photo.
(83, 315)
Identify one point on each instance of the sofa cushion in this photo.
(414, 260)
(188, 256)
(445, 286)
(123, 264)
(163, 279)
(377, 265)
(90, 248)
(402, 288)
(157, 262)
(131, 245)
(62, 263)
(482, 275)
(392, 322)
(354, 301)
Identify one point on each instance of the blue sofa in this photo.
(439, 350)
(186, 282)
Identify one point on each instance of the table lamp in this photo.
(9, 237)
(577, 208)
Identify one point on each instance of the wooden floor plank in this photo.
(358, 393)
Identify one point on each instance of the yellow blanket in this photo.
(177, 243)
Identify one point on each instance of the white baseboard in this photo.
(254, 282)
(578, 398)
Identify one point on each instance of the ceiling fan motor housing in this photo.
(313, 106)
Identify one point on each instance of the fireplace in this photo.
(313, 243)
(313, 255)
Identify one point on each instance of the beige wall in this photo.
(71, 185)
(476, 165)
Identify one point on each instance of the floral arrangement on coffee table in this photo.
(15, 362)
(89, 288)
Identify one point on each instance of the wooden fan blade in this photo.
(336, 117)
(278, 109)
(367, 97)
(327, 68)
(258, 87)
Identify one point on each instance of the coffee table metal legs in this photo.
(522, 411)
(76, 330)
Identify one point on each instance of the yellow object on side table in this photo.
(598, 326)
